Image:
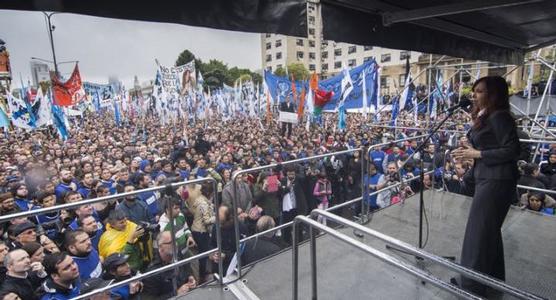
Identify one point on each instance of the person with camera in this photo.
(124, 236)
(135, 210)
(117, 268)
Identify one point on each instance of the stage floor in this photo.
(345, 272)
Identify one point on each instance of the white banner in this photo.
(288, 117)
(179, 80)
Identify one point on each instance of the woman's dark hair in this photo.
(539, 195)
(497, 91)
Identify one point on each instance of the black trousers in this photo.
(483, 249)
(203, 244)
(288, 127)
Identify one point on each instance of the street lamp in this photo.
(50, 30)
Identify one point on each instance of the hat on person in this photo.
(115, 260)
(94, 284)
(20, 228)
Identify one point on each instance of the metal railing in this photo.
(532, 188)
(175, 264)
(270, 166)
(487, 280)
(365, 189)
(404, 266)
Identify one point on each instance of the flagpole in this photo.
(427, 116)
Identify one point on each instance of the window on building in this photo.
(269, 69)
(278, 43)
(268, 45)
(324, 67)
(278, 66)
(404, 55)
(300, 54)
(311, 6)
(383, 81)
(312, 67)
(337, 65)
(367, 48)
(352, 49)
(352, 62)
(402, 80)
(385, 57)
(324, 55)
(299, 42)
(312, 55)
(268, 57)
(337, 52)
(367, 58)
(324, 43)
(278, 55)
(267, 35)
(311, 20)
(312, 44)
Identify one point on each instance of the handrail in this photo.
(364, 190)
(526, 187)
(333, 208)
(537, 141)
(404, 266)
(40, 211)
(294, 161)
(490, 281)
(148, 274)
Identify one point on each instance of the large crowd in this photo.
(62, 254)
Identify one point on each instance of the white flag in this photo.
(42, 108)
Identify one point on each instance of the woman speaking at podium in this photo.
(494, 147)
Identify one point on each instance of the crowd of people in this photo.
(61, 254)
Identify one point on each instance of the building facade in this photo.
(328, 58)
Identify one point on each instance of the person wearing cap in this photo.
(94, 284)
(79, 245)
(117, 268)
(18, 281)
(63, 280)
(7, 204)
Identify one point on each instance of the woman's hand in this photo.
(466, 153)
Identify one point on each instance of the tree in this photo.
(298, 71)
(280, 72)
(185, 57)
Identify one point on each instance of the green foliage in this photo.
(299, 71)
(216, 73)
(466, 91)
(280, 72)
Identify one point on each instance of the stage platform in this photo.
(347, 273)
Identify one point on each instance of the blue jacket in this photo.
(377, 156)
(56, 292)
(61, 190)
(89, 266)
(151, 199)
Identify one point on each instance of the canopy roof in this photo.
(492, 30)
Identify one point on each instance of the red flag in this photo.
(70, 92)
(322, 97)
(301, 104)
(293, 90)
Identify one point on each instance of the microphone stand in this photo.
(421, 150)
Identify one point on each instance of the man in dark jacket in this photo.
(530, 178)
(293, 198)
(63, 282)
(160, 286)
(264, 246)
(287, 106)
(18, 264)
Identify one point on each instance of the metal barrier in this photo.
(404, 266)
(270, 166)
(492, 282)
(365, 190)
(526, 187)
(175, 264)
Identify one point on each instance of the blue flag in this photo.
(395, 111)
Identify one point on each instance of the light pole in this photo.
(50, 30)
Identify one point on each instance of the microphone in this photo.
(463, 103)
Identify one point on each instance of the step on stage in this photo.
(347, 273)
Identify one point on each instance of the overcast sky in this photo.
(106, 47)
